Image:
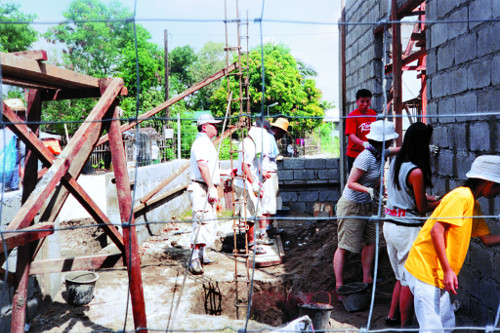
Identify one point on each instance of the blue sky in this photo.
(315, 45)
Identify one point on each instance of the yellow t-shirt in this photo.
(455, 209)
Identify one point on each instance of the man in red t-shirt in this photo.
(358, 126)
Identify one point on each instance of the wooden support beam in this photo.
(26, 235)
(76, 264)
(417, 36)
(128, 221)
(409, 59)
(405, 9)
(397, 77)
(34, 72)
(220, 74)
(151, 202)
(164, 183)
(72, 157)
(39, 55)
(39, 150)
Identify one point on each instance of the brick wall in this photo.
(463, 68)
(306, 181)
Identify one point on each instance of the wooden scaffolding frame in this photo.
(47, 196)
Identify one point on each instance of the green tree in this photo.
(181, 58)
(296, 96)
(15, 37)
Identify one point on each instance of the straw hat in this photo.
(206, 119)
(381, 130)
(281, 123)
(486, 167)
(15, 104)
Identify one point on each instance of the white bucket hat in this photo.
(381, 130)
(486, 167)
(206, 119)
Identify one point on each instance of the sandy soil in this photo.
(305, 274)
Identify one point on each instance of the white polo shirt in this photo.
(203, 150)
(249, 156)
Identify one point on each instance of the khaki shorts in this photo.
(269, 201)
(352, 232)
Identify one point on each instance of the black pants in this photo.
(350, 162)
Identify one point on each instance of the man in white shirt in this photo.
(270, 176)
(250, 190)
(205, 176)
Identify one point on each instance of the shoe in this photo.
(258, 250)
(392, 322)
(206, 260)
(195, 267)
(272, 232)
(264, 239)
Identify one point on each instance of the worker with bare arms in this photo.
(205, 177)
(247, 185)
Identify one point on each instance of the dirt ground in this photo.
(305, 274)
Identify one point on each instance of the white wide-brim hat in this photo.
(381, 130)
(486, 167)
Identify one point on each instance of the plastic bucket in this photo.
(355, 296)
(80, 287)
(319, 314)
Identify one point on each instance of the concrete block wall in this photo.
(463, 80)
(364, 52)
(304, 182)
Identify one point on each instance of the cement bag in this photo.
(296, 326)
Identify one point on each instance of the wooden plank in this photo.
(397, 78)
(404, 10)
(151, 202)
(20, 298)
(406, 60)
(76, 264)
(32, 71)
(38, 55)
(223, 72)
(47, 158)
(71, 157)
(127, 218)
(25, 236)
(81, 145)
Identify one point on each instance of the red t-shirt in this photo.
(359, 126)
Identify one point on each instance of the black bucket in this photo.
(319, 314)
(355, 296)
(80, 287)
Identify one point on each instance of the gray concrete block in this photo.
(445, 6)
(293, 163)
(496, 8)
(465, 48)
(298, 207)
(314, 164)
(482, 259)
(478, 310)
(497, 267)
(484, 204)
(330, 175)
(332, 163)
(489, 294)
(440, 185)
(308, 196)
(486, 42)
(458, 28)
(439, 34)
(446, 163)
(330, 196)
(432, 111)
(464, 161)
(479, 138)
(446, 108)
(466, 104)
(479, 74)
(457, 81)
(458, 137)
(446, 55)
(287, 196)
(496, 144)
(440, 137)
(285, 175)
(479, 10)
(439, 85)
(495, 69)
(487, 100)
(304, 174)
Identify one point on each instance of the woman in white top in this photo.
(409, 176)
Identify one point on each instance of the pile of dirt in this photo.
(89, 240)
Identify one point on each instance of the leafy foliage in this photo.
(15, 37)
(296, 95)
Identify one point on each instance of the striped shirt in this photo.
(372, 168)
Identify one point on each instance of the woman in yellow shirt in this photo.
(439, 251)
